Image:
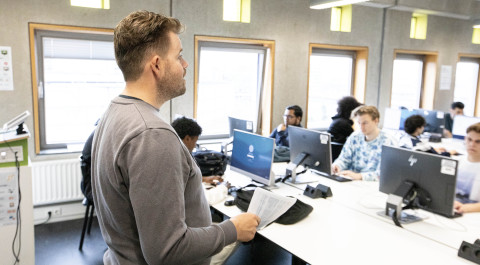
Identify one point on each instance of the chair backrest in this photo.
(85, 166)
(336, 150)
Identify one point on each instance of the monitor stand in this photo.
(292, 171)
(395, 201)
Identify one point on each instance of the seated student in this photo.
(341, 126)
(455, 109)
(291, 117)
(468, 175)
(414, 126)
(188, 130)
(360, 156)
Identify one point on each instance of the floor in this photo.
(57, 243)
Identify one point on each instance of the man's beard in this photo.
(170, 87)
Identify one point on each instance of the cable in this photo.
(48, 219)
(18, 229)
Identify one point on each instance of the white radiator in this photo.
(56, 181)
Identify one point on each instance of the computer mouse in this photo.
(229, 203)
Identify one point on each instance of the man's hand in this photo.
(246, 225)
(351, 174)
(281, 127)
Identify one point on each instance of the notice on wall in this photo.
(6, 71)
(8, 196)
(445, 77)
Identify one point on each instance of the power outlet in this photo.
(56, 211)
(7, 156)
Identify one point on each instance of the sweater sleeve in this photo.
(159, 174)
(344, 160)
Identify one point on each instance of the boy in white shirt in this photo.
(468, 176)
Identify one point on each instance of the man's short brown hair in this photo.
(474, 127)
(370, 110)
(138, 35)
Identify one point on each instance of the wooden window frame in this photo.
(360, 69)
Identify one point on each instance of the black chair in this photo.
(87, 221)
(336, 150)
(86, 187)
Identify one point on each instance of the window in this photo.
(334, 72)
(466, 83)
(233, 79)
(413, 79)
(74, 78)
(407, 81)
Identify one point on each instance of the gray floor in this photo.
(57, 243)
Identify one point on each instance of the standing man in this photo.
(455, 109)
(291, 117)
(146, 187)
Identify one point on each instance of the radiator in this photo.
(56, 181)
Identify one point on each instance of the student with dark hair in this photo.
(414, 126)
(468, 175)
(455, 109)
(292, 117)
(341, 126)
(189, 130)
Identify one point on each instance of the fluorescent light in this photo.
(322, 4)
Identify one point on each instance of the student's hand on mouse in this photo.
(457, 206)
(212, 179)
(453, 152)
(246, 225)
(351, 174)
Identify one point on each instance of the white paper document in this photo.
(269, 206)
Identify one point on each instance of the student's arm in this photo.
(466, 207)
(344, 160)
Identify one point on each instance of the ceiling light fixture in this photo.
(322, 4)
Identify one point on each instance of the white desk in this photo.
(345, 229)
(364, 197)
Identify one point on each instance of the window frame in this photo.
(475, 58)
(429, 74)
(265, 106)
(36, 32)
(359, 72)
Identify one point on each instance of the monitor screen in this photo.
(315, 144)
(435, 120)
(239, 124)
(460, 125)
(433, 176)
(395, 118)
(252, 155)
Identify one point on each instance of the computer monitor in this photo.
(395, 118)
(435, 120)
(310, 149)
(421, 179)
(239, 124)
(460, 125)
(252, 156)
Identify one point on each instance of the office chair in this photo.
(336, 150)
(87, 221)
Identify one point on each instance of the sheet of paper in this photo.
(269, 206)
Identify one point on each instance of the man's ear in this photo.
(156, 65)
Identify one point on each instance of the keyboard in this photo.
(336, 178)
